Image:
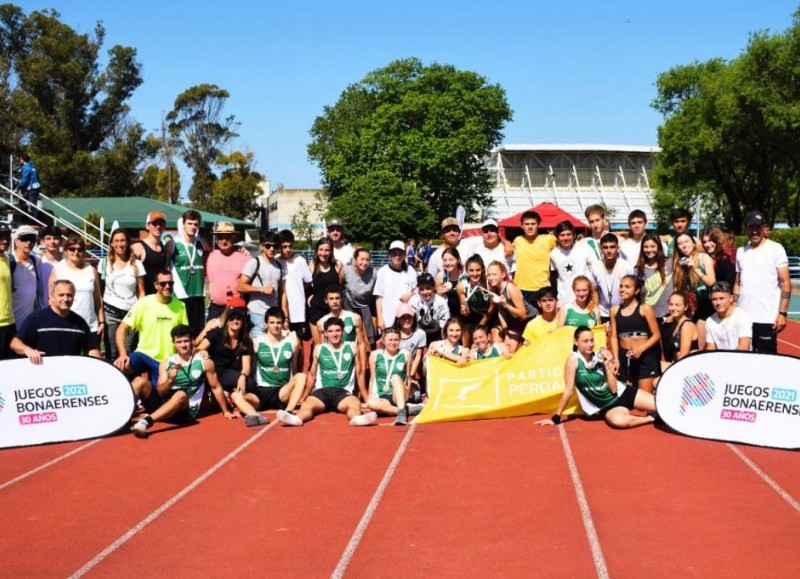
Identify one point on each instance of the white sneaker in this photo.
(414, 409)
(364, 419)
(289, 419)
(139, 429)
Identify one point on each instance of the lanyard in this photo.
(190, 254)
(184, 366)
(274, 353)
(337, 361)
(387, 368)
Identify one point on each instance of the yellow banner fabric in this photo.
(531, 382)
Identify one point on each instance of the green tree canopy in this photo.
(730, 132)
(71, 114)
(422, 130)
(201, 134)
(235, 192)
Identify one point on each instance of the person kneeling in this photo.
(333, 374)
(179, 392)
(388, 391)
(594, 377)
(276, 384)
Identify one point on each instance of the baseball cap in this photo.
(26, 230)
(236, 302)
(425, 278)
(397, 244)
(754, 218)
(490, 223)
(154, 216)
(449, 222)
(404, 310)
(335, 223)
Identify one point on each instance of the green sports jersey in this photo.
(336, 368)
(191, 378)
(188, 270)
(576, 319)
(387, 366)
(273, 362)
(349, 333)
(590, 380)
(492, 353)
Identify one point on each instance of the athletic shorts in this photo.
(765, 340)
(330, 397)
(626, 400)
(302, 330)
(268, 397)
(648, 365)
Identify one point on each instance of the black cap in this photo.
(425, 278)
(754, 218)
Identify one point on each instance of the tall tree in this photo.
(236, 190)
(60, 104)
(730, 131)
(202, 133)
(429, 127)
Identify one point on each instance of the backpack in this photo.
(257, 274)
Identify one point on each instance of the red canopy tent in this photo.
(551, 215)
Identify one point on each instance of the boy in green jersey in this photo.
(181, 384)
(333, 375)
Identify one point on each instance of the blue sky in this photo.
(574, 72)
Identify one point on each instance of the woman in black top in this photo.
(325, 272)
(681, 338)
(716, 243)
(230, 348)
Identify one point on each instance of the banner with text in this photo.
(531, 382)
(733, 396)
(63, 398)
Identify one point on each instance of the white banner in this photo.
(733, 396)
(64, 398)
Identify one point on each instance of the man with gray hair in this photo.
(56, 330)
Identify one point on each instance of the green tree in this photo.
(201, 134)
(235, 192)
(303, 224)
(730, 132)
(59, 103)
(426, 127)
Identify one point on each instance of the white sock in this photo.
(289, 419)
(364, 419)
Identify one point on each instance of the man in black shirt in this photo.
(56, 330)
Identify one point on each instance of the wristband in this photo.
(556, 418)
(784, 314)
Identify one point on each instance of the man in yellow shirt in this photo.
(546, 321)
(533, 257)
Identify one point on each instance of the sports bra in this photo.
(633, 325)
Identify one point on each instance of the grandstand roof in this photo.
(578, 148)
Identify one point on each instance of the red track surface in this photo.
(466, 499)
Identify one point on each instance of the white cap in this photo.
(397, 244)
(490, 222)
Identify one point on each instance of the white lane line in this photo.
(789, 344)
(586, 514)
(358, 534)
(160, 510)
(766, 478)
(40, 468)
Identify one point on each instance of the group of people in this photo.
(181, 314)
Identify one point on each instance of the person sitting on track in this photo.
(182, 378)
(598, 392)
(483, 347)
(353, 326)
(333, 373)
(388, 392)
(276, 384)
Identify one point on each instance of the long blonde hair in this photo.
(594, 299)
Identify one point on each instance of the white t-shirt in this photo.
(295, 275)
(390, 285)
(83, 278)
(497, 253)
(569, 265)
(759, 288)
(608, 282)
(725, 334)
(630, 250)
(121, 284)
(344, 254)
(431, 315)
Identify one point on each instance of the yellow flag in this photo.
(531, 382)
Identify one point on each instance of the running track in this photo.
(500, 497)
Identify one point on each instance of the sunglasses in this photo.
(490, 228)
(158, 223)
(27, 238)
(165, 283)
(450, 228)
(75, 249)
(268, 245)
(335, 228)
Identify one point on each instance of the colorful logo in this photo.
(698, 390)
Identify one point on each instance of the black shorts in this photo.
(765, 340)
(330, 397)
(626, 400)
(7, 334)
(268, 398)
(648, 365)
(302, 330)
